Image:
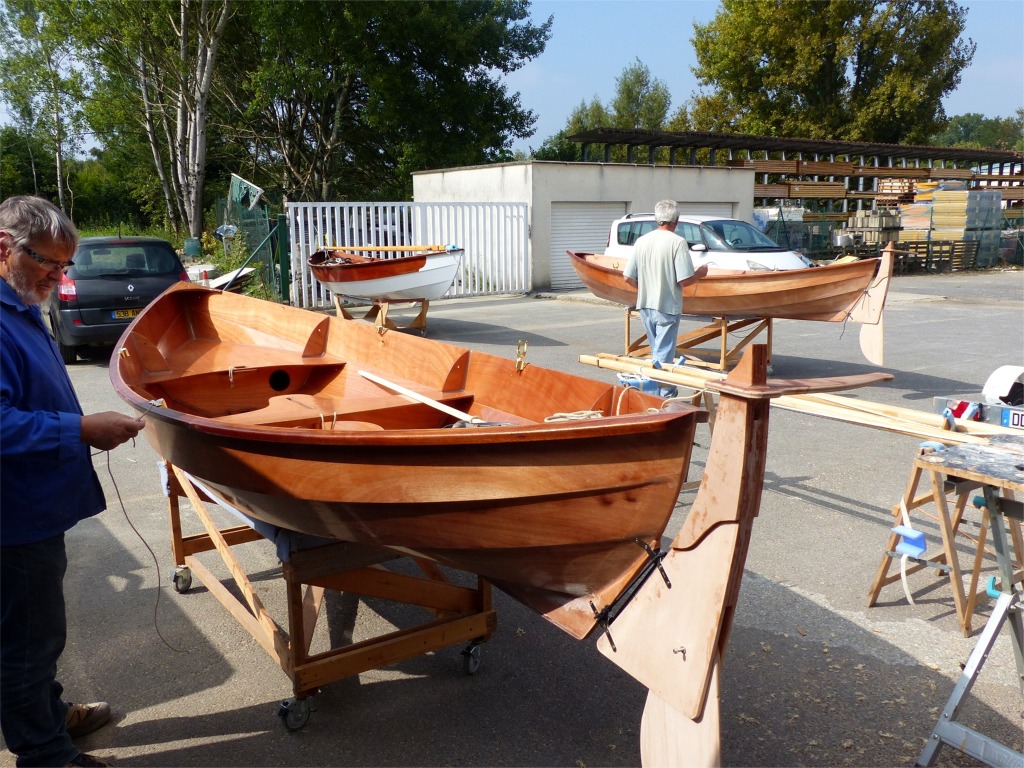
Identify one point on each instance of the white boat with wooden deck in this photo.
(387, 273)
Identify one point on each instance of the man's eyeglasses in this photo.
(63, 266)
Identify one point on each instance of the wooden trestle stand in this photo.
(953, 490)
(378, 314)
(722, 358)
(462, 614)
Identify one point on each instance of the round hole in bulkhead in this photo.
(279, 380)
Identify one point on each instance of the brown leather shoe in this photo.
(83, 760)
(82, 719)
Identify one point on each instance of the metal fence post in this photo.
(284, 261)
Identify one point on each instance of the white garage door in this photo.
(578, 227)
(707, 209)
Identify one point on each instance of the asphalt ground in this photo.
(811, 676)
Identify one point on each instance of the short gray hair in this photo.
(666, 212)
(30, 219)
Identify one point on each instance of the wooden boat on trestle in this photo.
(853, 290)
(382, 273)
(327, 427)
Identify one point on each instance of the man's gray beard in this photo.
(26, 290)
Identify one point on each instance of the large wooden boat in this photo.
(327, 427)
(387, 273)
(854, 290)
(330, 428)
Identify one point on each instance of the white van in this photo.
(717, 242)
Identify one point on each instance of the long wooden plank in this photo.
(925, 426)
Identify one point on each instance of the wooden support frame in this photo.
(461, 614)
(942, 493)
(378, 314)
(720, 358)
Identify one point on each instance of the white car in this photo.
(717, 242)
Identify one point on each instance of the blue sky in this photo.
(592, 41)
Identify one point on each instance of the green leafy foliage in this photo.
(975, 130)
(831, 69)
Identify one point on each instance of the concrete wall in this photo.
(541, 183)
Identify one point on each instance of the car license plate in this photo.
(123, 314)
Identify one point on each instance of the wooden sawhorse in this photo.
(690, 343)
(941, 492)
(309, 567)
(999, 469)
(378, 314)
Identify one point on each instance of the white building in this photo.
(572, 205)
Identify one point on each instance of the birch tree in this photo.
(164, 54)
(42, 83)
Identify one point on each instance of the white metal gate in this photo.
(495, 237)
(578, 227)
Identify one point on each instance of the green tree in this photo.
(976, 130)
(386, 89)
(23, 159)
(161, 56)
(42, 82)
(584, 117)
(837, 69)
(640, 102)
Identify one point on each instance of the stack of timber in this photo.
(904, 421)
(894, 191)
(824, 168)
(874, 226)
(949, 212)
(817, 189)
(771, 190)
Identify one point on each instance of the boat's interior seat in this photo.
(351, 413)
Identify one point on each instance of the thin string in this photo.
(156, 560)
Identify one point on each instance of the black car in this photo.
(112, 279)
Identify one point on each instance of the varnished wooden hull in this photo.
(835, 292)
(265, 406)
(425, 275)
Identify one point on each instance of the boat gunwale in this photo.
(603, 427)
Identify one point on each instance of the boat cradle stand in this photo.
(309, 566)
(378, 314)
(721, 358)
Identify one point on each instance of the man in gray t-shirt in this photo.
(660, 266)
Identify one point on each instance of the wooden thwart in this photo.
(461, 614)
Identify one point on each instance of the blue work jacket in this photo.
(47, 481)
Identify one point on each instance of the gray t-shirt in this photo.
(660, 260)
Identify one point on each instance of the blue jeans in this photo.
(662, 331)
(32, 634)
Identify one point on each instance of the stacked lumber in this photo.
(832, 189)
(903, 173)
(776, 166)
(924, 190)
(894, 191)
(1008, 193)
(771, 190)
(951, 173)
(915, 217)
(874, 226)
(822, 168)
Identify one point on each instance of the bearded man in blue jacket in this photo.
(49, 485)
